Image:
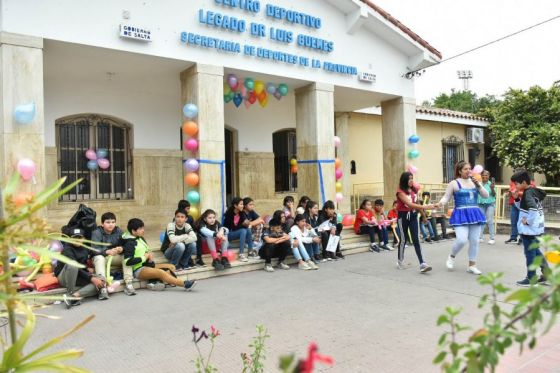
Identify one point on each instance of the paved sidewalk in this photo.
(362, 311)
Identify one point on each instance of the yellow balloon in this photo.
(227, 89)
(552, 257)
(259, 86)
(338, 186)
(193, 211)
(293, 162)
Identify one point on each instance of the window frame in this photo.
(93, 121)
(448, 142)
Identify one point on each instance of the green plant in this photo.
(23, 231)
(501, 327)
(201, 363)
(254, 363)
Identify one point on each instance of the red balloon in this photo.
(230, 255)
(252, 97)
(348, 220)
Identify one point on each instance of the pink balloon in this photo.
(191, 145)
(26, 168)
(55, 246)
(243, 90)
(417, 186)
(103, 163)
(338, 173)
(412, 169)
(247, 104)
(478, 169)
(339, 197)
(337, 141)
(91, 155)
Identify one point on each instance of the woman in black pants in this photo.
(407, 206)
(328, 213)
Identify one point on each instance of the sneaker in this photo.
(103, 294)
(70, 302)
(519, 241)
(542, 281)
(474, 270)
(402, 265)
(424, 267)
(225, 262)
(436, 239)
(243, 258)
(312, 265)
(268, 268)
(525, 282)
(491, 242)
(129, 289)
(217, 265)
(200, 263)
(480, 240)
(385, 247)
(373, 247)
(428, 240)
(450, 263)
(189, 284)
(251, 254)
(283, 265)
(304, 266)
(511, 240)
(339, 255)
(156, 286)
(317, 258)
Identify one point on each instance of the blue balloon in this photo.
(238, 99)
(190, 111)
(161, 237)
(24, 114)
(193, 197)
(414, 139)
(271, 88)
(102, 153)
(92, 165)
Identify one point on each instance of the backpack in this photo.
(83, 218)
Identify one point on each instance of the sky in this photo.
(453, 26)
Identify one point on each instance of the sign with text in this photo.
(136, 33)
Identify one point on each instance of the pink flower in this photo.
(306, 366)
(215, 332)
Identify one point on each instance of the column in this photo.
(21, 82)
(343, 153)
(315, 134)
(399, 123)
(202, 85)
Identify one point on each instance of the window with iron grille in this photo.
(452, 153)
(75, 135)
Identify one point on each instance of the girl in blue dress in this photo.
(466, 219)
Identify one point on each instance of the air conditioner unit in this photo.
(475, 135)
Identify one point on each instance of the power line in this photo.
(412, 73)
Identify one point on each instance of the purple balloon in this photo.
(232, 81)
(55, 246)
(191, 165)
(277, 95)
(103, 163)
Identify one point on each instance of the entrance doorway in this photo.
(229, 157)
(284, 146)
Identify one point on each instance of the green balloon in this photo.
(413, 154)
(283, 89)
(227, 98)
(249, 83)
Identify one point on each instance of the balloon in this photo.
(337, 163)
(161, 237)
(339, 197)
(191, 165)
(55, 246)
(190, 111)
(552, 256)
(23, 198)
(478, 169)
(103, 163)
(270, 88)
(261, 96)
(338, 217)
(412, 169)
(449, 212)
(413, 154)
(293, 169)
(293, 162)
(101, 153)
(227, 89)
(338, 186)
(92, 165)
(477, 177)
(337, 141)
(24, 114)
(264, 101)
(247, 104)
(230, 255)
(414, 139)
(193, 211)
(191, 145)
(91, 155)
(416, 185)
(283, 89)
(191, 179)
(26, 168)
(227, 98)
(338, 173)
(348, 220)
(237, 100)
(252, 97)
(243, 91)
(190, 128)
(249, 84)
(193, 197)
(259, 87)
(277, 95)
(232, 81)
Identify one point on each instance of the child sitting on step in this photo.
(215, 234)
(301, 239)
(256, 224)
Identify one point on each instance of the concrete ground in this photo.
(369, 316)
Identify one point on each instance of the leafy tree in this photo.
(526, 131)
(466, 101)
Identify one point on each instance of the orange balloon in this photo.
(22, 198)
(191, 179)
(449, 212)
(294, 169)
(337, 163)
(190, 128)
(477, 177)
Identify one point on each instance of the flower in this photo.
(306, 366)
(202, 335)
(214, 332)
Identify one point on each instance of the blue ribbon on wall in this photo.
(222, 178)
(319, 162)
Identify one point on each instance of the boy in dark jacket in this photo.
(79, 282)
(530, 223)
(109, 233)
